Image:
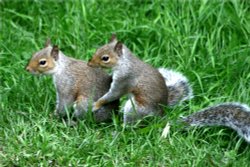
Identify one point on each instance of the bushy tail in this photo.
(178, 86)
(232, 115)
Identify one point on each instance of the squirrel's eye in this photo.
(105, 58)
(42, 62)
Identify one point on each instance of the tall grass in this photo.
(208, 41)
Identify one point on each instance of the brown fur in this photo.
(74, 81)
(131, 76)
(139, 98)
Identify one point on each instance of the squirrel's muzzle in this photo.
(89, 63)
(28, 69)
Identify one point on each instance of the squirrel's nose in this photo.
(89, 63)
(28, 69)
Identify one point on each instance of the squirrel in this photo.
(76, 83)
(233, 115)
(149, 88)
(179, 89)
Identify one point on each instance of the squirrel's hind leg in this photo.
(129, 111)
(103, 114)
(80, 107)
(63, 104)
(133, 112)
(82, 104)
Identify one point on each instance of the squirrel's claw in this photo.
(96, 106)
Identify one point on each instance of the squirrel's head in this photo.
(43, 61)
(108, 55)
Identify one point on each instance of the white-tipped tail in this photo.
(178, 85)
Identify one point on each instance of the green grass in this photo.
(209, 41)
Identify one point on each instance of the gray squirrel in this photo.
(76, 83)
(149, 88)
(233, 115)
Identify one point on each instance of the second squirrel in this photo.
(145, 84)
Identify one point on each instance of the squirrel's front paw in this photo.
(97, 105)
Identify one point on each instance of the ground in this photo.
(208, 41)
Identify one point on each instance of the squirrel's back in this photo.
(86, 77)
(156, 80)
(149, 82)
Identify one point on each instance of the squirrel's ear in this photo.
(54, 52)
(118, 48)
(47, 43)
(113, 38)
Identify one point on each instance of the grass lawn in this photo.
(207, 40)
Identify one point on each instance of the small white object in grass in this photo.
(166, 131)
